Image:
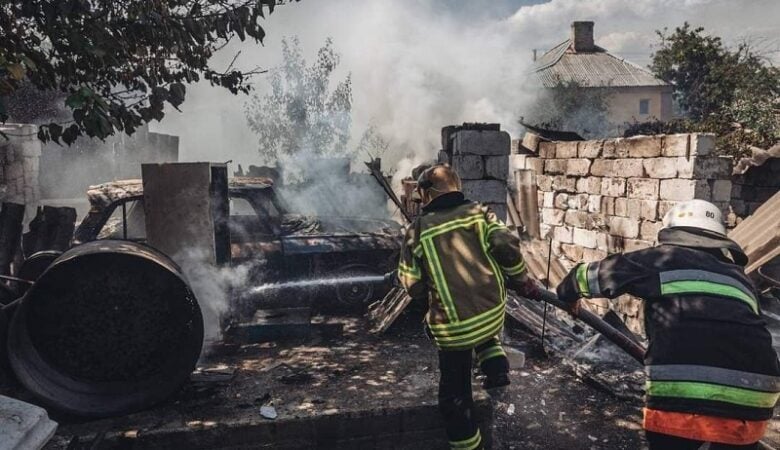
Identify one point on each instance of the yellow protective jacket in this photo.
(459, 254)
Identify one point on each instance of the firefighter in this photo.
(460, 257)
(712, 374)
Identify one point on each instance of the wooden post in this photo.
(527, 202)
(11, 217)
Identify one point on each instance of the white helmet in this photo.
(696, 214)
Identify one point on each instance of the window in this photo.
(133, 216)
(644, 106)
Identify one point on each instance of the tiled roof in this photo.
(590, 69)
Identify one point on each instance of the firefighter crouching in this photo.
(712, 374)
(462, 258)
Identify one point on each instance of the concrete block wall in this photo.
(608, 196)
(750, 190)
(19, 161)
(481, 158)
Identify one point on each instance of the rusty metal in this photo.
(110, 327)
(759, 234)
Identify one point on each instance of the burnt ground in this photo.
(347, 378)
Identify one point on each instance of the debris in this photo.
(510, 410)
(213, 374)
(516, 358)
(383, 313)
(23, 426)
(269, 412)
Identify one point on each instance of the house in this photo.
(634, 93)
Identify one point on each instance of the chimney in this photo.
(582, 36)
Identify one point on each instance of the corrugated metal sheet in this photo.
(759, 234)
(592, 69)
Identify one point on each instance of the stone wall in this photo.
(19, 158)
(608, 196)
(751, 190)
(481, 158)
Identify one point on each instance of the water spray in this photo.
(321, 282)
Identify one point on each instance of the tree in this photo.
(569, 106)
(119, 62)
(301, 113)
(718, 87)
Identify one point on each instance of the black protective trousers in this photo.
(658, 441)
(456, 402)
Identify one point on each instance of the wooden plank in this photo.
(382, 314)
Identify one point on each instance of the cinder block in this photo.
(530, 141)
(497, 167)
(566, 149)
(547, 150)
(721, 190)
(609, 148)
(562, 234)
(680, 190)
(469, 167)
(632, 245)
(602, 242)
(517, 162)
(481, 142)
(602, 167)
(561, 200)
(577, 167)
(607, 205)
(592, 255)
(621, 207)
(555, 166)
(443, 157)
(585, 238)
(613, 187)
(577, 201)
(641, 146)
(644, 188)
(577, 218)
(702, 144)
(661, 167)
(675, 145)
(594, 204)
(564, 183)
(553, 216)
(544, 182)
(648, 209)
(628, 168)
(485, 191)
(589, 185)
(704, 167)
(623, 226)
(590, 149)
(634, 207)
(535, 164)
(572, 251)
(548, 199)
(649, 230)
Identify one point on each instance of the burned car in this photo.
(278, 244)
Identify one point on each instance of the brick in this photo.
(547, 150)
(552, 216)
(577, 218)
(544, 182)
(632, 245)
(648, 209)
(563, 234)
(485, 191)
(572, 252)
(680, 190)
(613, 187)
(644, 188)
(565, 149)
(721, 190)
(561, 200)
(615, 243)
(530, 141)
(675, 145)
(607, 205)
(704, 167)
(594, 204)
(621, 207)
(623, 226)
(628, 168)
(535, 164)
(563, 183)
(497, 167)
(469, 167)
(609, 149)
(555, 166)
(585, 238)
(661, 167)
(634, 208)
(517, 162)
(602, 240)
(602, 167)
(481, 142)
(642, 146)
(590, 149)
(592, 255)
(664, 207)
(649, 230)
(577, 167)
(702, 144)
(578, 201)
(589, 185)
(548, 199)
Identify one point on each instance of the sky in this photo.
(417, 65)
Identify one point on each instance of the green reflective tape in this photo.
(490, 352)
(516, 269)
(582, 280)
(713, 392)
(451, 225)
(468, 444)
(439, 280)
(471, 322)
(708, 287)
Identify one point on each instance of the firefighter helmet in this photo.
(695, 214)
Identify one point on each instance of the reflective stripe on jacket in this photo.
(458, 253)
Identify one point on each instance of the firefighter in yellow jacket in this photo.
(462, 258)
